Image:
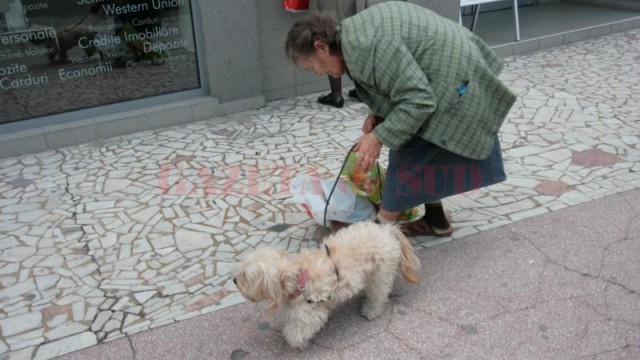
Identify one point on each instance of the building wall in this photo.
(227, 35)
(282, 80)
(230, 35)
(244, 66)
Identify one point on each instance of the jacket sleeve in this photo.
(398, 76)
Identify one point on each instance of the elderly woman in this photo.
(434, 97)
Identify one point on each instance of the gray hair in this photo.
(305, 31)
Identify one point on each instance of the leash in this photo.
(305, 275)
(302, 279)
(326, 248)
(344, 163)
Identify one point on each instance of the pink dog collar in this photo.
(301, 281)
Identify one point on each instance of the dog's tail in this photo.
(409, 263)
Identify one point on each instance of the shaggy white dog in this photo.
(360, 258)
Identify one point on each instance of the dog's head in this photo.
(265, 275)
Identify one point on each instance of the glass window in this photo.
(65, 55)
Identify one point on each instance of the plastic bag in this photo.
(369, 185)
(345, 205)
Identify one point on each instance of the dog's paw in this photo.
(296, 341)
(299, 345)
(372, 311)
(312, 298)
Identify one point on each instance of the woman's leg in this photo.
(385, 216)
(336, 86)
(434, 215)
(335, 97)
(434, 222)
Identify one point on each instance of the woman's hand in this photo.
(368, 149)
(370, 123)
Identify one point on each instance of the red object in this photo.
(296, 5)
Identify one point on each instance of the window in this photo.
(66, 55)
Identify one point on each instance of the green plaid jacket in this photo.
(427, 76)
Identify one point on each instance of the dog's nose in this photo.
(309, 301)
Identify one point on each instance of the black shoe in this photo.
(434, 216)
(332, 100)
(353, 95)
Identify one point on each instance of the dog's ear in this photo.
(272, 288)
(259, 277)
(288, 279)
(275, 288)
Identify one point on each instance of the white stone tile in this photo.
(8, 242)
(65, 346)
(65, 330)
(7, 281)
(557, 156)
(521, 182)
(78, 310)
(574, 198)
(19, 208)
(144, 296)
(514, 207)
(100, 320)
(26, 339)
(630, 140)
(20, 323)
(99, 205)
(18, 289)
(57, 320)
(17, 254)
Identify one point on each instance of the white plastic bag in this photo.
(312, 192)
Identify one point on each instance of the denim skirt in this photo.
(422, 172)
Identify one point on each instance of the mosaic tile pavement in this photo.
(107, 239)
